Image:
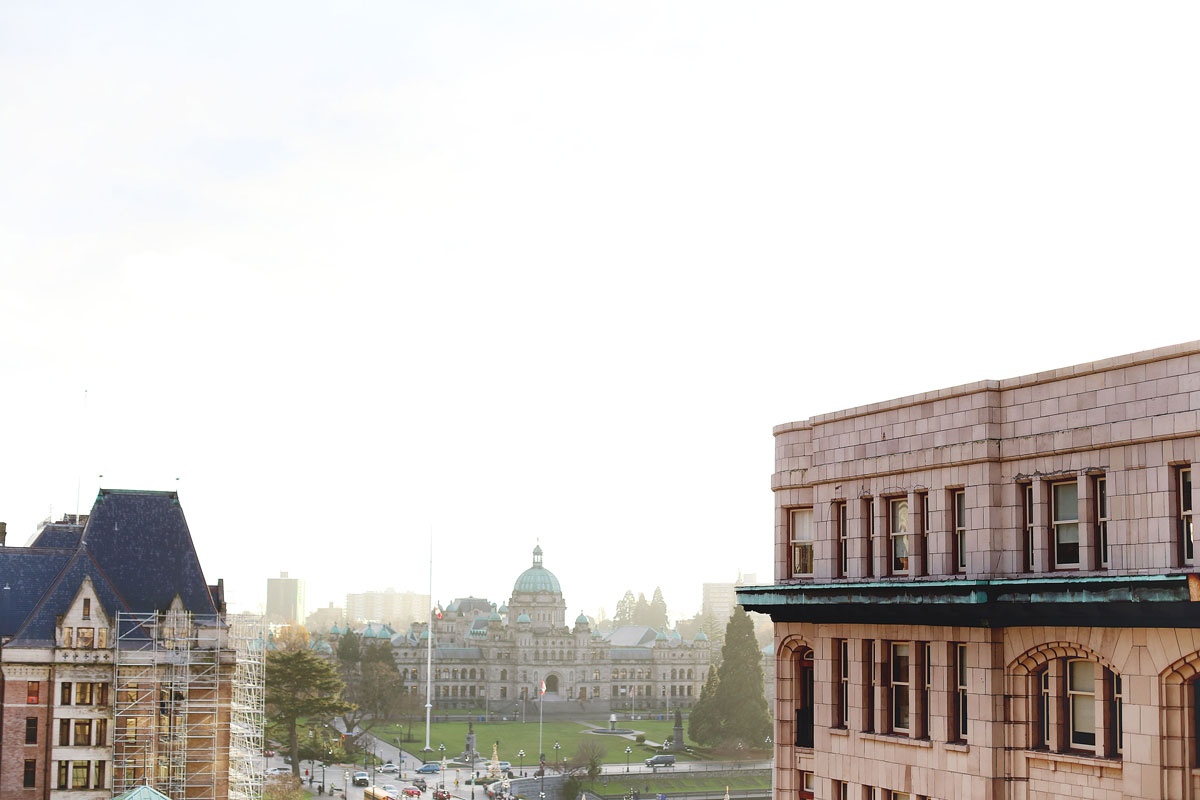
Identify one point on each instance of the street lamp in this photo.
(628, 750)
(739, 751)
(521, 755)
(556, 748)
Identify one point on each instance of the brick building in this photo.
(989, 591)
(118, 665)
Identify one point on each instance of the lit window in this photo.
(102, 637)
(960, 530)
(1065, 499)
(87, 608)
(900, 679)
(83, 732)
(1081, 702)
(83, 694)
(1185, 515)
(802, 542)
(67, 637)
(79, 774)
(85, 637)
(33, 692)
(898, 528)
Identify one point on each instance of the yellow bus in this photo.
(375, 793)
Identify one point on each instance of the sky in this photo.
(355, 277)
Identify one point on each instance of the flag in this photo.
(438, 611)
(543, 687)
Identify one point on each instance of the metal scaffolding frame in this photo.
(188, 705)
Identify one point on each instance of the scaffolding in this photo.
(178, 724)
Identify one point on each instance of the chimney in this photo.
(3, 532)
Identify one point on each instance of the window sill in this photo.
(958, 747)
(895, 739)
(1074, 758)
(839, 731)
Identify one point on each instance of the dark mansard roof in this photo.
(137, 550)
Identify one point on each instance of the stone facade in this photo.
(488, 658)
(988, 591)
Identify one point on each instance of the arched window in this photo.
(690, 675)
(1073, 703)
(672, 674)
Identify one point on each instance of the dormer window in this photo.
(87, 608)
(66, 637)
(85, 637)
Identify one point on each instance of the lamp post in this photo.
(521, 755)
(628, 750)
(556, 748)
(346, 783)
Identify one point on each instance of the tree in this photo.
(704, 726)
(301, 684)
(348, 651)
(624, 612)
(589, 757)
(283, 787)
(737, 708)
(641, 611)
(658, 611)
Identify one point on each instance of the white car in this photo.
(389, 769)
(279, 771)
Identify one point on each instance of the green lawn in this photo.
(516, 736)
(688, 783)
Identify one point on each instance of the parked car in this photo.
(279, 771)
(661, 760)
(420, 784)
(432, 768)
(360, 779)
(412, 791)
(389, 769)
(441, 794)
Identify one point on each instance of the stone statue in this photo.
(677, 735)
(469, 753)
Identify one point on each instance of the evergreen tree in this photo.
(703, 725)
(299, 684)
(624, 612)
(348, 651)
(641, 611)
(658, 611)
(741, 704)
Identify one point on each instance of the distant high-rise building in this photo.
(285, 599)
(323, 619)
(718, 600)
(398, 609)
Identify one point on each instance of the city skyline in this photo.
(343, 277)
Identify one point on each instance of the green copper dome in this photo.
(537, 578)
(581, 619)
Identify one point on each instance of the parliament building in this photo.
(492, 658)
(990, 591)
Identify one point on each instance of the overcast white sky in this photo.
(350, 271)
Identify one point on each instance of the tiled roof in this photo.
(58, 535)
(142, 542)
(38, 630)
(25, 574)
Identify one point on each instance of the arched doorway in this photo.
(552, 684)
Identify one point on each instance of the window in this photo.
(1185, 515)
(898, 529)
(83, 694)
(64, 732)
(960, 530)
(841, 790)
(31, 727)
(1101, 494)
(1064, 497)
(900, 680)
(1081, 702)
(102, 692)
(98, 775)
(843, 539)
(33, 692)
(869, 684)
(87, 608)
(960, 691)
(66, 637)
(869, 513)
(926, 688)
(1044, 707)
(1027, 524)
(101, 637)
(30, 773)
(925, 518)
(807, 781)
(79, 774)
(101, 733)
(802, 542)
(85, 637)
(63, 767)
(841, 715)
(1118, 720)
(64, 698)
(83, 732)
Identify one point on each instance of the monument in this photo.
(470, 754)
(677, 734)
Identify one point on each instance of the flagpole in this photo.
(541, 701)
(429, 654)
